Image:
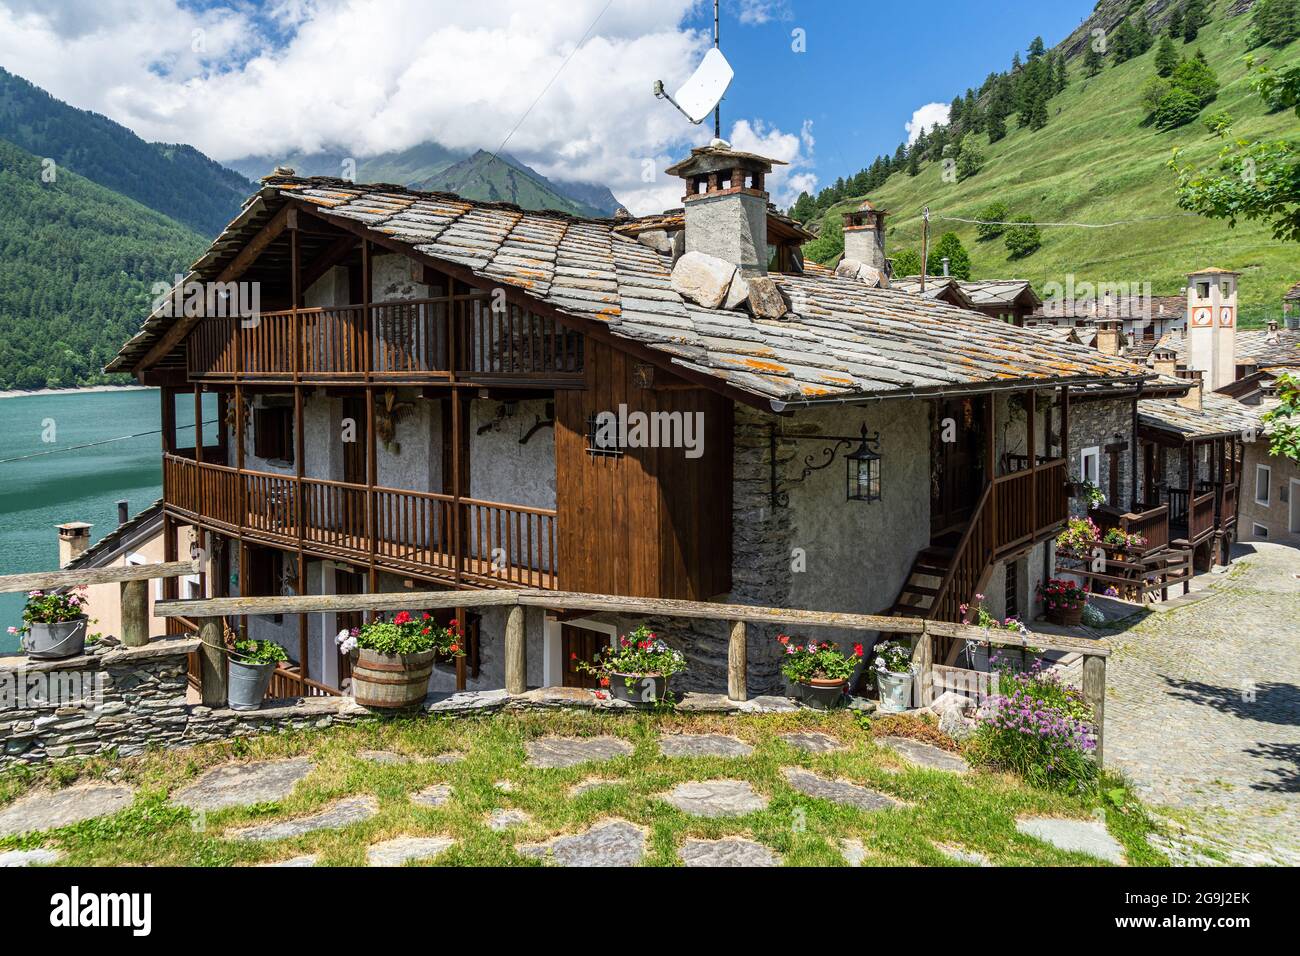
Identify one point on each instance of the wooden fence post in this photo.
(212, 656)
(1094, 694)
(135, 613)
(516, 651)
(737, 661)
(925, 667)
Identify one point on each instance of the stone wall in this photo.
(1097, 424)
(123, 699)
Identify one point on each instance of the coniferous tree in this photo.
(996, 126)
(949, 247)
(1166, 57)
(1142, 38)
(1062, 75)
(1036, 48)
(1193, 19)
(1275, 22)
(1093, 61)
(913, 161)
(1124, 44)
(1175, 27)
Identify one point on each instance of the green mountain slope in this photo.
(1097, 162)
(175, 180)
(77, 266)
(432, 167)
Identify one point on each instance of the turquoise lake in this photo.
(72, 484)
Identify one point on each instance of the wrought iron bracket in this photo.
(780, 492)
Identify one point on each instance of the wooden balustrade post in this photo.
(1094, 695)
(135, 613)
(925, 667)
(516, 651)
(212, 662)
(737, 662)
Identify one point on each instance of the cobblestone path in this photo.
(1203, 713)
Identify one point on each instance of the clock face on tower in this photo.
(1203, 316)
(1226, 317)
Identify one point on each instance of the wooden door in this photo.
(579, 644)
(355, 452)
(957, 468)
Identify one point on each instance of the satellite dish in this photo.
(702, 92)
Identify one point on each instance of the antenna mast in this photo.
(717, 110)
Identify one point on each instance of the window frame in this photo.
(1267, 500)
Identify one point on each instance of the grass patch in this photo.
(975, 811)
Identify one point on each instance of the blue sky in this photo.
(240, 78)
(869, 65)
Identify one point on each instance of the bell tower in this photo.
(1212, 326)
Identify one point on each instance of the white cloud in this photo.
(927, 117)
(368, 76)
(758, 12)
(785, 182)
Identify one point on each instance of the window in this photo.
(1258, 531)
(602, 435)
(1090, 465)
(1263, 478)
(273, 433)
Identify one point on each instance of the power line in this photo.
(539, 96)
(92, 444)
(1075, 225)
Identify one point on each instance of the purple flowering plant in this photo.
(1038, 727)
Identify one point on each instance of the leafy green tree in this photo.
(1024, 239)
(1177, 108)
(1154, 92)
(907, 263)
(993, 215)
(1275, 22)
(1196, 77)
(1282, 423)
(804, 209)
(970, 160)
(1255, 181)
(829, 244)
(1166, 57)
(950, 247)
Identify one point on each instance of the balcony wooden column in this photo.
(1031, 413)
(299, 451)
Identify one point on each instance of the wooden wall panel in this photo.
(651, 522)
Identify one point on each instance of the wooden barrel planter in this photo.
(391, 681)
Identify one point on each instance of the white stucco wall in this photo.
(501, 469)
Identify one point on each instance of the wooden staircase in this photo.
(923, 582)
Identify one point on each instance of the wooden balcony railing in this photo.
(413, 530)
(1228, 508)
(1028, 504)
(413, 340)
(1201, 518)
(1151, 523)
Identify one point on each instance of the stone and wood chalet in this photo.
(419, 404)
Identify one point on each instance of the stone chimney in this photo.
(1212, 326)
(726, 205)
(1192, 399)
(1109, 336)
(74, 539)
(123, 512)
(864, 236)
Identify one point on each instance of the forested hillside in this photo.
(77, 265)
(1084, 136)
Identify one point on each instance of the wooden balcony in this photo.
(1209, 510)
(415, 532)
(418, 341)
(1149, 523)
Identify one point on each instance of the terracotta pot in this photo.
(638, 688)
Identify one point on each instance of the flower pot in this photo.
(638, 688)
(51, 642)
(821, 693)
(248, 683)
(391, 681)
(895, 691)
(1067, 616)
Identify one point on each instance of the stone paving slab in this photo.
(1080, 836)
(715, 798)
(962, 855)
(386, 757)
(925, 755)
(451, 757)
(703, 745)
(51, 809)
(37, 857)
(306, 860)
(340, 814)
(837, 791)
(854, 852)
(812, 742)
(434, 796)
(243, 784)
(608, 843)
(505, 819)
(402, 850)
(586, 786)
(732, 851)
(552, 752)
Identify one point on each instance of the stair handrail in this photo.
(946, 583)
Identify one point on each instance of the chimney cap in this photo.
(72, 529)
(708, 159)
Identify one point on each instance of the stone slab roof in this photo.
(142, 526)
(1255, 345)
(1217, 416)
(840, 341)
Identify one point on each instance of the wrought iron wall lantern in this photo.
(862, 465)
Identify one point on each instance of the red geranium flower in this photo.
(403, 617)
(454, 648)
(857, 650)
(783, 638)
(604, 682)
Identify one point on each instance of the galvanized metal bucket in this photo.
(895, 691)
(52, 642)
(248, 684)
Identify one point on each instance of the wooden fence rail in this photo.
(208, 612)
